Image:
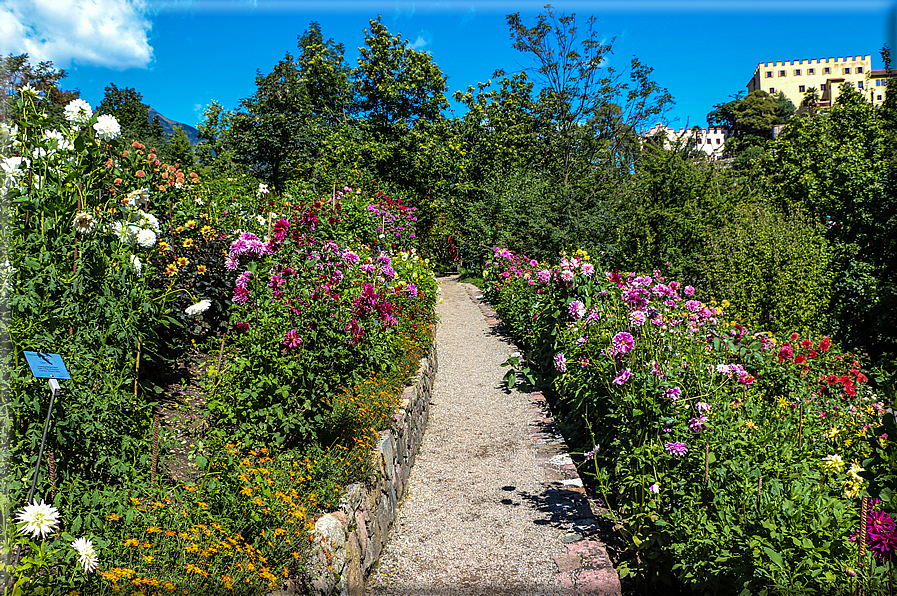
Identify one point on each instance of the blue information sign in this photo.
(46, 366)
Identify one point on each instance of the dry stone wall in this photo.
(348, 542)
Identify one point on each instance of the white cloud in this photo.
(419, 43)
(110, 33)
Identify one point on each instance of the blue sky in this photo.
(182, 54)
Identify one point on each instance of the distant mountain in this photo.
(169, 125)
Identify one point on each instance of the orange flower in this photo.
(171, 270)
(132, 542)
(113, 517)
(183, 262)
(191, 568)
(153, 530)
(140, 174)
(201, 269)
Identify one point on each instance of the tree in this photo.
(127, 106)
(395, 85)
(810, 100)
(836, 167)
(215, 151)
(750, 119)
(576, 85)
(177, 149)
(16, 72)
(281, 128)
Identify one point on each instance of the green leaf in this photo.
(774, 556)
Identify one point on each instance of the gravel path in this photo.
(480, 517)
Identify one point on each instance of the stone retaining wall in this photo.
(348, 542)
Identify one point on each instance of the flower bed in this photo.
(307, 324)
(730, 460)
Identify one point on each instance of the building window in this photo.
(846, 71)
(859, 84)
(797, 72)
(700, 141)
(811, 71)
(859, 70)
(878, 82)
(772, 90)
(822, 87)
(768, 74)
(826, 70)
(878, 97)
(781, 73)
(718, 142)
(801, 89)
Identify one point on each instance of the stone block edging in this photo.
(348, 542)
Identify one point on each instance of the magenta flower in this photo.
(588, 269)
(637, 318)
(624, 376)
(577, 309)
(688, 291)
(676, 449)
(785, 353)
(697, 424)
(693, 306)
(292, 340)
(881, 535)
(544, 276)
(567, 275)
(411, 291)
(560, 362)
(622, 343)
(673, 393)
(590, 454)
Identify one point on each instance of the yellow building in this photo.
(825, 74)
(877, 81)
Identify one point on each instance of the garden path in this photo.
(494, 504)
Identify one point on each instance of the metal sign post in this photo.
(50, 367)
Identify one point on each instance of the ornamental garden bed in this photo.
(730, 460)
(234, 353)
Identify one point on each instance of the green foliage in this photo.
(750, 120)
(774, 268)
(178, 150)
(133, 116)
(675, 208)
(721, 456)
(16, 72)
(835, 167)
(396, 85)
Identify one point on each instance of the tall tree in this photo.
(577, 85)
(126, 104)
(835, 166)
(396, 85)
(16, 71)
(280, 129)
(177, 149)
